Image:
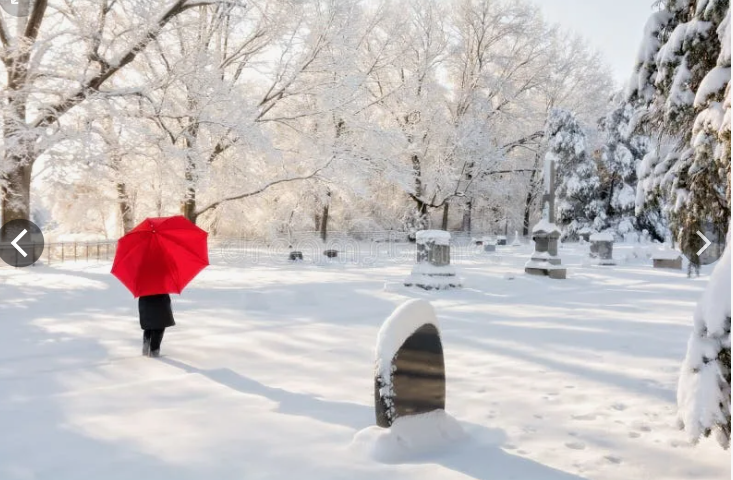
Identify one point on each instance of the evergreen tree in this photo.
(623, 150)
(703, 392)
(681, 81)
(577, 201)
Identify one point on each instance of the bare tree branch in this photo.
(35, 19)
(261, 189)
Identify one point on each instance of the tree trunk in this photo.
(188, 206)
(466, 224)
(127, 217)
(444, 223)
(324, 223)
(317, 221)
(16, 202)
(324, 216)
(126, 214)
(527, 211)
(530, 196)
(19, 140)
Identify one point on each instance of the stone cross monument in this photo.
(544, 260)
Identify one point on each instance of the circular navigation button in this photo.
(21, 243)
(704, 248)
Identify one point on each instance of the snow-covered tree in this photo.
(703, 393)
(577, 202)
(682, 80)
(46, 78)
(624, 148)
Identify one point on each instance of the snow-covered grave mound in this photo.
(409, 437)
(703, 393)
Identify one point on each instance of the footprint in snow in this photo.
(619, 406)
(613, 459)
(634, 434)
(587, 416)
(575, 445)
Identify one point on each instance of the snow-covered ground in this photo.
(269, 373)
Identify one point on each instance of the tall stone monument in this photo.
(544, 260)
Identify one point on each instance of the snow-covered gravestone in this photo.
(544, 260)
(433, 269)
(602, 246)
(410, 370)
(703, 392)
(667, 258)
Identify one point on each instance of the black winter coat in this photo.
(155, 312)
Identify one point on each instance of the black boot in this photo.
(146, 344)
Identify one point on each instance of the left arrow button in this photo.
(21, 243)
(14, 243)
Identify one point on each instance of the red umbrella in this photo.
(161, 255)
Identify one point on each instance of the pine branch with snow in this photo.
(703, 392)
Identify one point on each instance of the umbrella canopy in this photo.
(161, 255)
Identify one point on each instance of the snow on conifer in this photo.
(681, 84)
(623, 150)
(578, 205)
(703, 393)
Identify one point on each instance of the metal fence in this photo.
(390, 244)
(61, 252)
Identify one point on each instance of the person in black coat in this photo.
(155, 316)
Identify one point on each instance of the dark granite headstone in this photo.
(417, 384)
(295, 256)
(501, 240)
(436, 255)
(331, 253)
(675, 264)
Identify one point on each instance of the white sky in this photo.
(614, 27)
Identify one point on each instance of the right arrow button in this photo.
(704, 239)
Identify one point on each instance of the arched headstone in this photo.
(410, 369)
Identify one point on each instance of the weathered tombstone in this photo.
(489, 248)
(544, 260)
(433, 269)
(295, 256)
(410, 369)
(331, 253)
(601, 246)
